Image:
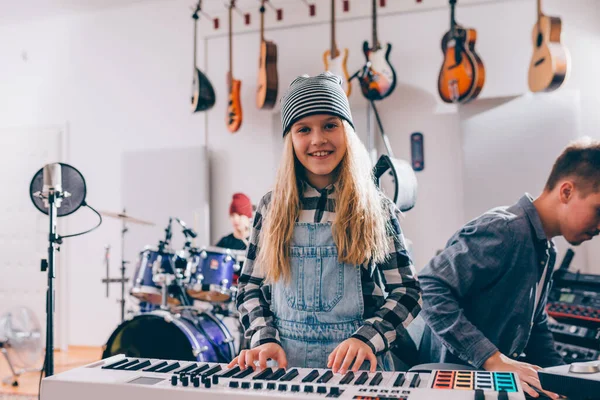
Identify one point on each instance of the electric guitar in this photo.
(268, 81)
(234, 105)
(550, 61)
(379, 78)
(334, 60)
(462, 75)
(203, 94)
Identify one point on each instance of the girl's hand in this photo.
(351, 350)
(261, 354)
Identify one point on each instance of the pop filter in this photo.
(73, 183)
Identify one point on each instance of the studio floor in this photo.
(29, 382)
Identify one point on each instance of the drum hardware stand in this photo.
(122, 280)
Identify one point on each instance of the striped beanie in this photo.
(321, 94)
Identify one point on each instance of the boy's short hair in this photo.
(580, 160)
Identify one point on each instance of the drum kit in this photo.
(186, 301)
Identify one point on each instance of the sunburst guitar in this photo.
(462, 74)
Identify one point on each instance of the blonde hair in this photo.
(360, 225)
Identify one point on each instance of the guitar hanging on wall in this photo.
(378, 78)
(234, 105)
(462, 75)
(203, 94)
(550, 61)
(334, 60)
(268, 81)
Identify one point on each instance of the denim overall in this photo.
(322, 305)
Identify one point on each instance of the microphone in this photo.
(52, 185)
(186, 231)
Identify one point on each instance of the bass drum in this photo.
(160, 334)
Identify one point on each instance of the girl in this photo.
(325, 248)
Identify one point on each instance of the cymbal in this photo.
(126, 218)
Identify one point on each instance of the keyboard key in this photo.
(230, 372)
(314, 374)
(289, 376)
(186, 369)
(400, 380)
(168, 368)
(244, 373)
(326, 377)
(127, 365)
(116, 364)
(347, 378)
(155, 367)
(139, 366)
(362, 378)
(277, 374)
(264, 374)
(376, 379)
(415, 381)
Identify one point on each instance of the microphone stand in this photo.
(54, 242)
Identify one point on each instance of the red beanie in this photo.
(241, 204)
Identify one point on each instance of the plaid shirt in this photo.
(383, 315)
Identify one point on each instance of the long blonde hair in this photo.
(360, 225)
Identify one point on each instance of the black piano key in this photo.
(347, 378)
(186, 369)
(314, 374)
(264, 374)
(242, 374)
(277, 374)
(116, 364)
(376, 379)
(399, 380)
(415, 381)
(212, 371)
(289, 376)
(326, 377)
(168, 368)
(139, 366)
(199, 370)
(230, 372)
(154, 367)
(362, 378)
(127, 365)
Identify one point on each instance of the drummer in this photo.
(240, 215)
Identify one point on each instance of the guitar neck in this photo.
(230, 43)
(333, 49)
(262, 21)
(539, 8)
(452, 16)
(375, 40)
(195, 34)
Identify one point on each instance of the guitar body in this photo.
(462, 74)
(203, 94)
(268, 80)
(338, 66)
(234, 107)
(549, 63)
(379, 79)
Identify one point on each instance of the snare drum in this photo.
(210, 272)
(150, 266)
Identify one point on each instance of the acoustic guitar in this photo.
(378, 80)
(234, 104)
(334, 60)
(203, 94)
(268, 81)
(550, 61)
(462, 75)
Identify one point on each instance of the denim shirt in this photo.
(479, 292)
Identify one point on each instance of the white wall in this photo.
(121, 80)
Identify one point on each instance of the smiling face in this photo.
(319, 143)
